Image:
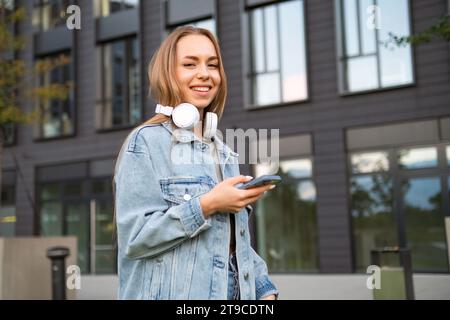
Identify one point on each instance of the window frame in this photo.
(38, 10)
(256, 228)
(99, 8)
(339, 55)
(100, 81)
(86, 197)
(246, 58)
(71, 100)
(398, 174)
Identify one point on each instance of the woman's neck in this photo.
(198, 129)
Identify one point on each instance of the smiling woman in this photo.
(182, 225)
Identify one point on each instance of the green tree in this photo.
(19, 83)
(441, 29)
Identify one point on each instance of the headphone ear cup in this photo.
(185, 116)
(210, 125)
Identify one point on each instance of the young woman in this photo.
(182, 224)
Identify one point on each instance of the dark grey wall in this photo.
(326, 116)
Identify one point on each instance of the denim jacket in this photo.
(166, 248)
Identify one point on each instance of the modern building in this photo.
(364, 130)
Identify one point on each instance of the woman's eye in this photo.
(188, 64)
(213, 66)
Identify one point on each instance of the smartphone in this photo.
(260, 181)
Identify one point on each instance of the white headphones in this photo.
(186, 116)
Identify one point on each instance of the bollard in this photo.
(57, 255)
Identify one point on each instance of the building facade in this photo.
(364, 125)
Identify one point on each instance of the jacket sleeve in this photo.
(263, 284)
(146, 226)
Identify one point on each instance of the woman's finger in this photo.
(258, 190)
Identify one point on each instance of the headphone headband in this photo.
(165, 110)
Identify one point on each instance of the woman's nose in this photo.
(203, 72)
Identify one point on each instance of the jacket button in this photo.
(242, 232)
(246, 275)
(187, 197)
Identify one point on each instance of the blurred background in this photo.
(359, 89)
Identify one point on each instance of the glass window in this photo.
(56, 114)
(50, 191)
(77, 224)
(102, 187)
(369, 162)
(418, 158)
(278, 54)
(286, 219)
(48, 14)
(104, 248)
(66, 209)
(425, 231)
(106, 7)
(448, 155)
(8, 206)
(373, 219)
(366, 62)
(118, 84)
(51, 218)
(418, 220)
(10, 136)
(73, 189)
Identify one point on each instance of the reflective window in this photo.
(105, 255)
(425, 231)
(51, 218)
(118, 84)
(77, 224)
(82, 208)
(286, 219)
(278, 53)
(373, 218)
(369, 162)
(366, 62)
(106, 7)
(448, 154)
(48, 14)
(417, 219)
(56, 117)
(418, 158)
(8, 205)
(10, 136)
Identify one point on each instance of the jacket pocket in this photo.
(219, 279)
(177, 190)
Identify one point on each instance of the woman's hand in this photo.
(271, 297)
(227, 198)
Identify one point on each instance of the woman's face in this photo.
(197, 70)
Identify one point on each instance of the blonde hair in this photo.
(163, 85)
